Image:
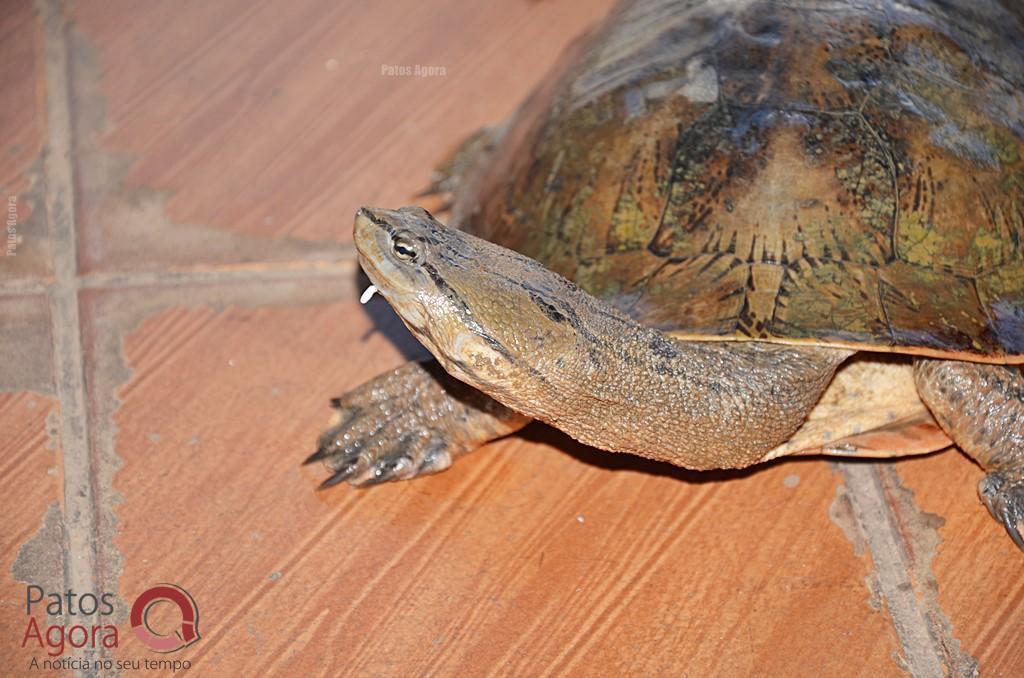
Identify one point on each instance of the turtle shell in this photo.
(841, 174)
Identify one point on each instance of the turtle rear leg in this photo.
(981, 407)
(407, 422)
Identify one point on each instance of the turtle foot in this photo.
(460, 163)
(408, 422)
(1003, 494)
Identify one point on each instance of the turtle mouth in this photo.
(398, 282)
(371, 234)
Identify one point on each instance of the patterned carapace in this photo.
(816, 171)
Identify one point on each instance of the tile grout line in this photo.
(24, 286)
(222, 274)
(269, 271)
(81, 554)
(922, 640)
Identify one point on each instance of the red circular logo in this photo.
(182, 637)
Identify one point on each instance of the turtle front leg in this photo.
(407, 422)
(981, 407)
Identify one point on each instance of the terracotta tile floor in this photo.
(182, 305)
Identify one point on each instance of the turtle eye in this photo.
(403, 248)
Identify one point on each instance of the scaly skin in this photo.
(981, 407)
(407, 422)
(541, 346)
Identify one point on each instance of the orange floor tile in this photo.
(183, 304)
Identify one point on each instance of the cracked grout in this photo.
(288, 270)
(88, 550)
(25, 286)
(227, 274)
(924, 632)
(82, 552)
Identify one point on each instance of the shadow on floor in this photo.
(538, 432)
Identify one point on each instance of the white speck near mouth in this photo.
(368, 294)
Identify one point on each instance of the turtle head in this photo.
(488, 314)
(393, 248)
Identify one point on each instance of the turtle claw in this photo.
(331, 441)
(405, 423)
(1015, 536)
(322, 452)
(338, 476)
(387, 429)
(1003, 493)
(389, 440)
(398, 467)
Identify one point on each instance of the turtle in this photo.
(718, 233)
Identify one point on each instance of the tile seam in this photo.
(81, 552)
(923, 642)
(170, 278)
